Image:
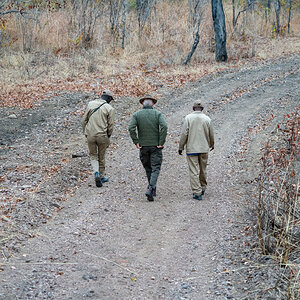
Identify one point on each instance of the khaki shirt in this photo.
(100, 122)
(197, 133)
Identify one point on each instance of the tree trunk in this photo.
(196, 42)
(143, 11)
(124, 10)
(277, 12)
(233, 14)
(220, 29)
(290, 15)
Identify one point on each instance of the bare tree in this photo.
(290, 14)
(144, 8)
(268, 9)
(233, 14)
(220, 29)
(195, 13)
(86, 14)
(27, 18)
(277, 8)
(115, 7)
(245, 8)
(124, 13)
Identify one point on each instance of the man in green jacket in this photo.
(148, 131)
(198, 137)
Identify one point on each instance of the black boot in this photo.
(98, 179)
(154, 192)
(149, 193)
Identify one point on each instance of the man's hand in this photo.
(159, 147)
(212, 148)
(180, 152)
(138, 146)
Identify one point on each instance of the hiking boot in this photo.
(154, 192)
(197, 197)
(104, 179)
(98, 179)
(149, 193)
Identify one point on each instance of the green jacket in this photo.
(148, 127)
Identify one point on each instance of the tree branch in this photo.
(12, 11)
(195, 44)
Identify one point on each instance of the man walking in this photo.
(148, 131)
(98, 123)
(198, 137)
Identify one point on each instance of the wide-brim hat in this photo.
(197, 104)
(107, 93)
(148, 97)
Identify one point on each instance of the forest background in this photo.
(132, 47)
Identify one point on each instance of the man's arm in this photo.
(132, 130)
(85, 119)
(163, 129)
(184, 135)
(211, 137)
(110, 122)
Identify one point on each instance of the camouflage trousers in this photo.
(151, 158)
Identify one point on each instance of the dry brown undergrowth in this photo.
(278, 204)
(56, 60)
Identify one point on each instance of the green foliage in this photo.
(132, 4)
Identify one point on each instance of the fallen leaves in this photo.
(134, 81)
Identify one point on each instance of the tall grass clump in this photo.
(278, 205)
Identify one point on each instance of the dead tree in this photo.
(290, 15)
(115, 7)
(267, 10)
(195, 44)
(144, 8)
(277, 8)
(86, 13)
(233, 14)
(124, 13)
(220, 29)
(195, 13)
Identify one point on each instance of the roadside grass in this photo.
(278, 217)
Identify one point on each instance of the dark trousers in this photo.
(151, 158)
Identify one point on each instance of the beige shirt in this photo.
(100, 122)
(197, 133)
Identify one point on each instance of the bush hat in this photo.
(107, 93)
(148, 97)
(197, 104)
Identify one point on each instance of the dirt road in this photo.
(109, 242)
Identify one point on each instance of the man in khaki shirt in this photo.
(198, 137)
(98, 124)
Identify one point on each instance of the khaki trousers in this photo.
(97, 148)
(197, 168)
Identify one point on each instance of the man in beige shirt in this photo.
(198, 137)
(98, 124)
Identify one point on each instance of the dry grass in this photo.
(278, 205)
(57, 54)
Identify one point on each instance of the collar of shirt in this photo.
(147, 107)
(198, 112)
